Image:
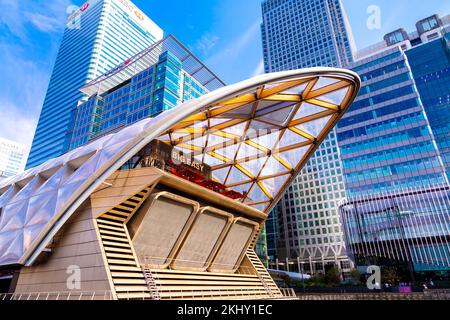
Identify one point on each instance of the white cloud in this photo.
(22, 93)
(24, 78)
(234, 49)
(205, 44)
(47, 16)
(17, 125)
(259, 69)
(11, 18)
(45, 23)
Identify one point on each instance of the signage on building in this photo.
(132, 8)
(84, 7)
(126, 3)
(179, 157)
(75, 13)
(132, 12)
(161, 155)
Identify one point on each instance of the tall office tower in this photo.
(430, 64)
(387, 139)
(300, 34)
(12, 156)
(273, 230)
(393, 142)
(155, 80)
(98, 36)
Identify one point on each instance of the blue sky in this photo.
(224, 34)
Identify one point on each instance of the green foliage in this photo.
(317, 281)
(287, 280)
(389, 275)
(355, 276)
(332, 276)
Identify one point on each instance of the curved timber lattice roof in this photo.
(256, 135)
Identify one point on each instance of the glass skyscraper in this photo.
(157, 79)
(301, 34)
(98, 36)
(385, 139)
(430, 64)
(395, 143)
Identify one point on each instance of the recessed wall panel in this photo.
(202, 240)
(162, 227)
(234, 246)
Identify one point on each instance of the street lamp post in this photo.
(300, 270)
(303, 278)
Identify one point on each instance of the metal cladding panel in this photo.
(202, 240)
(267, 128)
(162, 228)
(234, 246)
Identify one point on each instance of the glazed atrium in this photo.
(169, 207)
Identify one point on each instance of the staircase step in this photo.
(110, 217)
(127, 275)
(220, 293)
(113, 233)
(120, 213)
(133, 295)
(122, 256)
(124, 268)
(112, 228)
(123, 240)
(108, 222)
(117, 244)
(112, 249)
(206, 277)
(122, 262)
(129, 281)
(208, 283)
(208, 289)
(131, 288)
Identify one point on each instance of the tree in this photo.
(287, 280)
(316, 281)
(389, 275)
(332, 275)
(355, 276)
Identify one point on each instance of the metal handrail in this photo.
(145, 260)
(58, 295)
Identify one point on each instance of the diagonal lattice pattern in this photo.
(256, 135)
(257, 141)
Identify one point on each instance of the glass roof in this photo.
(149, 57)
(256, 142)
(255, 135)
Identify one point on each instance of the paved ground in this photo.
(428, 295)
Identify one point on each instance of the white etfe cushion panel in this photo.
(32, 211)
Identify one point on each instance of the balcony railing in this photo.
(55, 295)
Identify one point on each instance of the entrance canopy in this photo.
(255, 135)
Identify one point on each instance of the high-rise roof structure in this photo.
(100, 35)
(169, 207)
(155, 80)
(395, 146)
(298, 34)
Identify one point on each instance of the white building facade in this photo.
(99, 36)
(12, 156)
